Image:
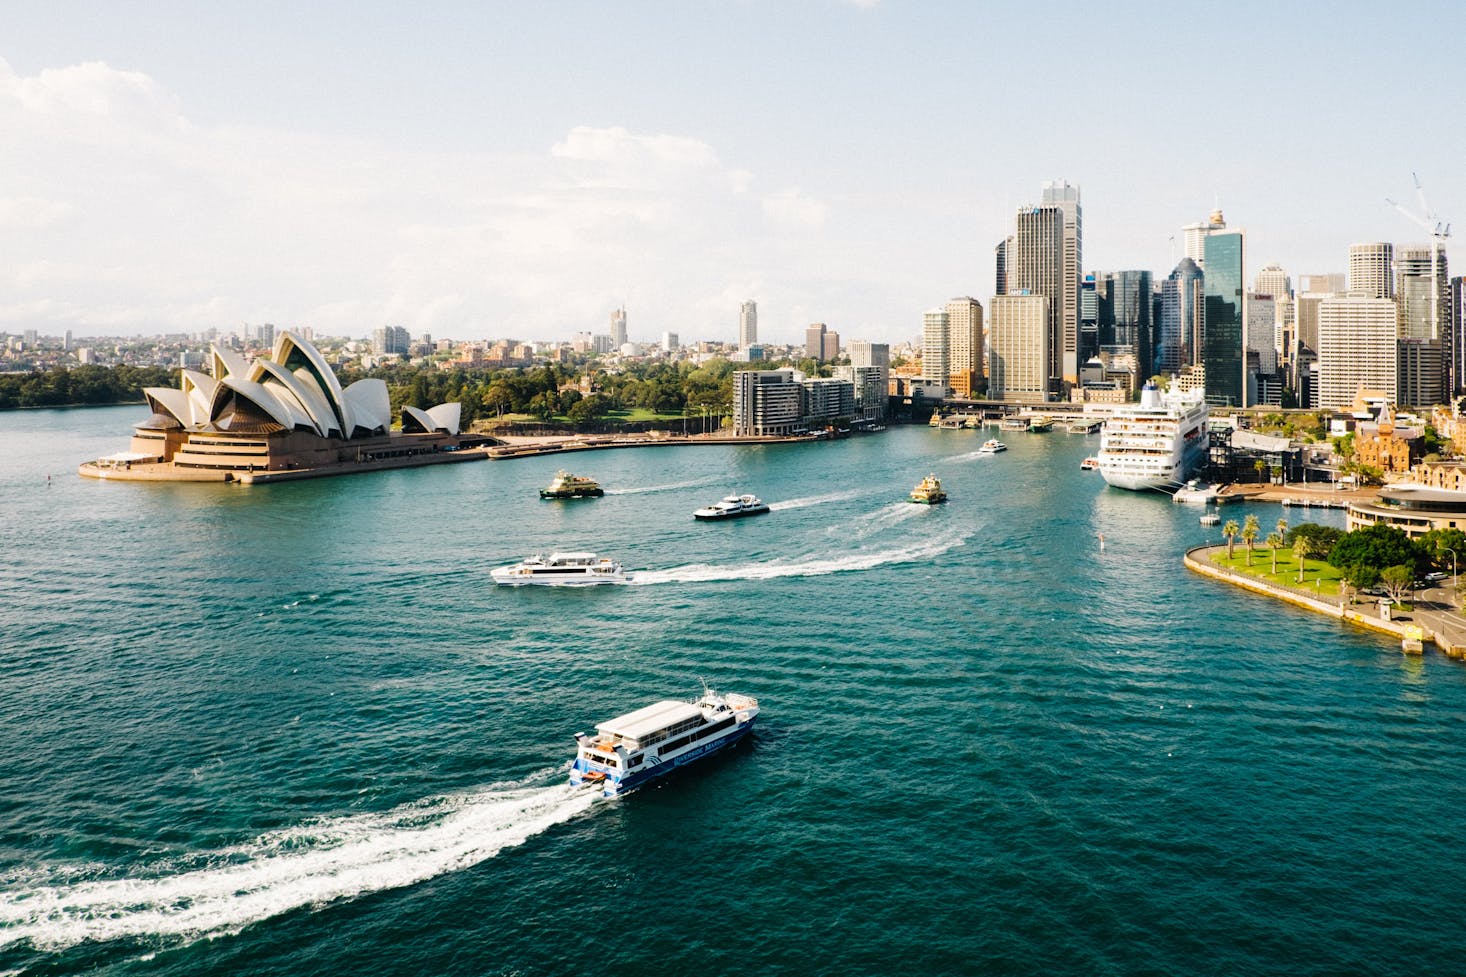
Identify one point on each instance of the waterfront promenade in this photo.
(1434, 616)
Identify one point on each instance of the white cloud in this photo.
(133, 219)
(792, 208)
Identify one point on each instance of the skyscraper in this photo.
(1356, 348)
(1130, 298)
(1195, 236)
(1423, 357)
(1060, 194)
(1178, 340)
(935, 343)
(1036, 268)
(618, 328)
(964, 352)
(1018, 348)
(1002, 261)
(830, 345)
(1371, 269)
(1273, 280)
(1223, 352)
(747, 324)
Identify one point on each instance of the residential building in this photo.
(669, 342)
(868, 386)
(767, 402)
(747, 324)
(936, 341)
(618, 328)
(864, 353)
(1018, 348)
(1357, 348)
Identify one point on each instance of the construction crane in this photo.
(1438, 233)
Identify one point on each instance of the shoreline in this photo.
(1412, 633)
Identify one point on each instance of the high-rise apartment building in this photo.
(747, 324)
(1273, 280)
(936, 341)
(964, 350)
(814, 341)
(390, 340)
(1018, 348)
(618, 328)
(1356, 348)
(1066, 197)
(1371, 269)
(1224, 314)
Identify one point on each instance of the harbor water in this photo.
(293, 729)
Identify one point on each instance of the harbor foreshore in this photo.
(524, 446)
(1412, 631)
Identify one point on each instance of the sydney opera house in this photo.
(277, 417)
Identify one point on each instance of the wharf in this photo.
(168, 472)
(1296, 495)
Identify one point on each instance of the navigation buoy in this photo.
(1101, 539)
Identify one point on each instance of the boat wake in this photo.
(964, 457)
(309, 865)
(881, 519)
(704, 573)
(641, 490)
(812, 500)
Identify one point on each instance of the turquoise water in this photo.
(292, 729)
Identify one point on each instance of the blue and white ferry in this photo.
(630, 750)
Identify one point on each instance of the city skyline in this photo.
(444, 173)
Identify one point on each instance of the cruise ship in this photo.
(1156, 444)
(630, 750)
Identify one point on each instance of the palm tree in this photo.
(1250, 531)
(1230, 530)
(1275, 541)
(1283, 529)
(1303, 548)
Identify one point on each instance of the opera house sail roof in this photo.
(285, 412)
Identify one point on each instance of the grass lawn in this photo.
(1287, 575)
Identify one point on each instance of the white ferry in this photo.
(991, 447)
(630, 750)
(732, 507)
(561, 570)
(1155, 444)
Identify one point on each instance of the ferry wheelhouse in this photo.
(626, 752)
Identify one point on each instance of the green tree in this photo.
(1250, 531)
(1359, 577)
(1378, 546)
(1445, 548)
(1324, 537)
(1230, 530)
(1396, 580)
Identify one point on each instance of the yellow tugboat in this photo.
(568, 486)
(929, 491)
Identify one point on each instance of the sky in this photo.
(485, 170)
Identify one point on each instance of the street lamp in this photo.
(1455, 580)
